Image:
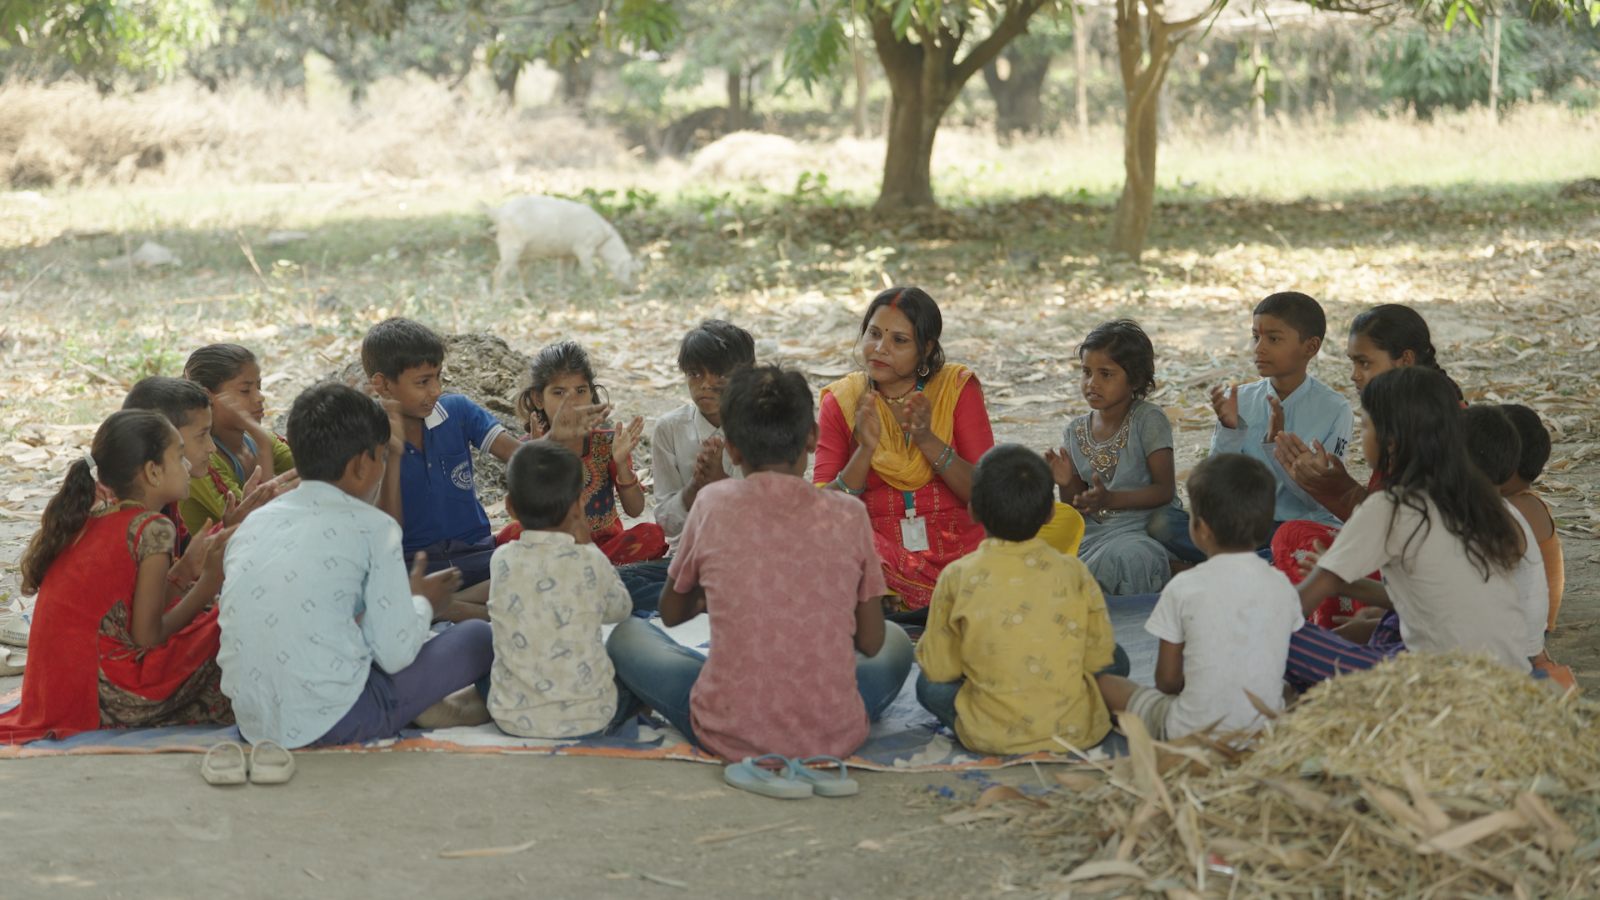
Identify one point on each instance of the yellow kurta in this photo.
(1027, 628)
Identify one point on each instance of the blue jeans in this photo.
(446, 664)
(472, 559)
(644, 582)
(1170, 526)
(662, 672)
(939, 697)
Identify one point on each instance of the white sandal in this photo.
(225, 767)
(274, 766)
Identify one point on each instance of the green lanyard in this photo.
(910, 497)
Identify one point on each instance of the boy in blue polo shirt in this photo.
(1287, 332)
(431, 492)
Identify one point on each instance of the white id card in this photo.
(914, 533)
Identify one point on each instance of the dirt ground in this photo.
(1508, 284)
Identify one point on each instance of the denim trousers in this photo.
(661, 672)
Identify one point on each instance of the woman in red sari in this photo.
(903, 436)
(121, 636)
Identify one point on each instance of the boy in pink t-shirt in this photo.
(802, 660)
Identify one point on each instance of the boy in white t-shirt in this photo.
(1225, 624)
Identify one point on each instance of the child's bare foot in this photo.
(464, 707)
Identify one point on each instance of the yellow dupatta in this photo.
(899, 463)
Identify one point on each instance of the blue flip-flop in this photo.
(782, 784)
(841, 785)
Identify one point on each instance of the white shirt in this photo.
(1233, 614)
(548, 597)
(1444, 601)
(300, 572)
(674, 447)
(1533, 589)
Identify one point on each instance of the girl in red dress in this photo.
(562, 373)
(122, 636)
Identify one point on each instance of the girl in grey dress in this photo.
(1115, 464)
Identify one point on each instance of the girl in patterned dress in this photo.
(562, 373)
(122, 635)
(1115, 464)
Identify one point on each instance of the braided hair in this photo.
(123, 444)
(1394, 329)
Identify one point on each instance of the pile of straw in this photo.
(1429, 777)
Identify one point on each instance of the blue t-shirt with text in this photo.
(436, 489)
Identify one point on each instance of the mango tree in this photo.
(929, 49)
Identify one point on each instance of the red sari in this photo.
(641, 543)
(84, 671)
(951, 532)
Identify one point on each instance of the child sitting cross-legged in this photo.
(550, 590)
(322, 632)
(1016, 630)
(1115, 463)
(801, 658)
(563, 376)
(1224, 625)
(119, 639)
(686, 452)
(429, 485)
(1518, 490)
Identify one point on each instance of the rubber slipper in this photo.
(270, 763)
(826, 785)
(782, 784)
(224, 764)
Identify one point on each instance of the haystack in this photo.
(1431, 776)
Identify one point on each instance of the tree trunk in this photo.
(1016, 96)
(1080, 45)
(863, 79)
(1144, 71)
(924, 79)
(1258, 93)
(506, 82)
(1494, 77)
(577, 75)
(735, 120)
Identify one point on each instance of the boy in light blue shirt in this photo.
(1287, 332)
(324, 638)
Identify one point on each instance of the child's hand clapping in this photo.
(1275, 420)
(626, 441)
(1313, 467)
(1094, 499)
(868, 430)
(436, 588)
(215, 549)
(571, 423)
(708, 465)
(1061, 467)
(1225, 401)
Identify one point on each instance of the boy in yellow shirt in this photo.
(1016, 630)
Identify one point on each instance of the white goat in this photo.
(539, 226)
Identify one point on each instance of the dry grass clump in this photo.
(68, 134)
(1429, 777)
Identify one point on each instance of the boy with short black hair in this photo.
(322, 635)
(550, 590)
(1224, 625)
(1016, 630)
(429, 488)
(794, 588)
(686, 450)
(1518, 490)
(1287, 330)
